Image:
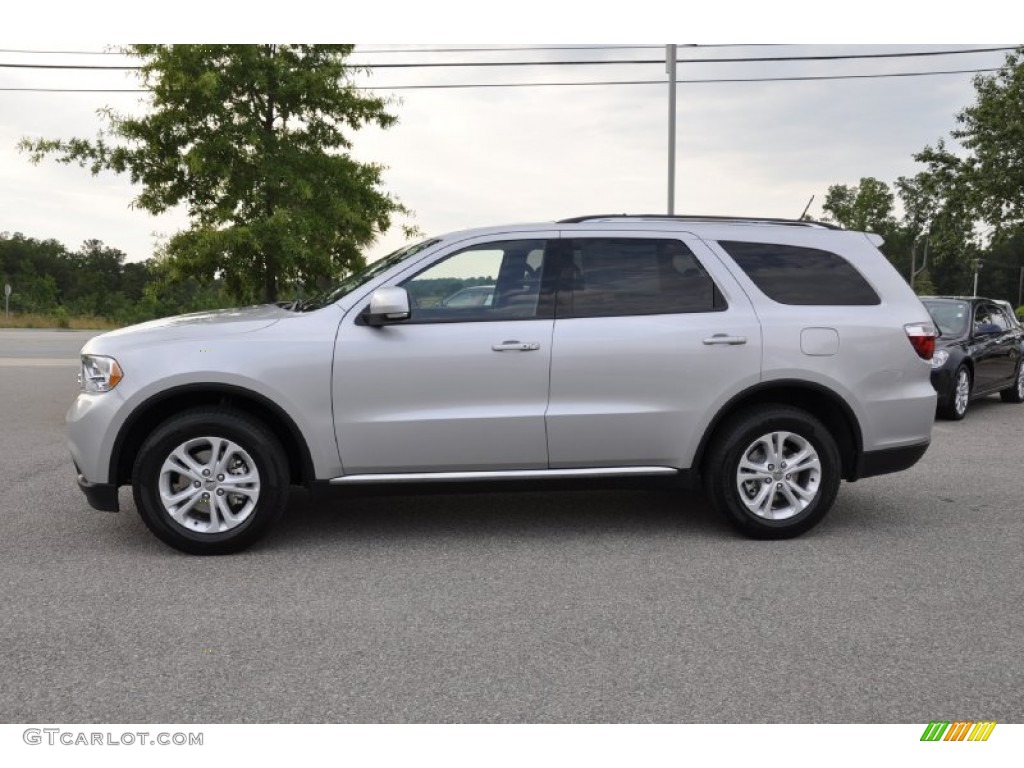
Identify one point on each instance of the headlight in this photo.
(99, 374)
(939, 358)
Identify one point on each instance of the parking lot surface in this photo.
(904, 605)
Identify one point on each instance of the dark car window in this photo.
(791, 274)
(987, 320)
(952, 317)
(638, 276)
(999, 319)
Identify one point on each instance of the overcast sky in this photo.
(478, 156)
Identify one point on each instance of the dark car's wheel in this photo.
(959, 398)
(773, 472)
(210, 481)
(1015, 394)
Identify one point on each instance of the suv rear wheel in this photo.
(773, 471)
(210, 481)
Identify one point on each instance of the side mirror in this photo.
(387, 305)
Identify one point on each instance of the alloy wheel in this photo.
(778, 475)
(209, 485)
(963, 391)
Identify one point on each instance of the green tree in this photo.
(38, 271)
(937, 209)
(979, 182)
(923, 284)
(868, 207)
(991, 132)
(253, 140)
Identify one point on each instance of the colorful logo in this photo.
(961, 730)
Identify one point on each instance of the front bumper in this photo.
(943, 380)
(101, 496)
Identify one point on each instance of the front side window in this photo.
(638, 276)
(988, 319)
(791, 274)
(492, 281)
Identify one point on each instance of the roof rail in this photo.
(711, 219)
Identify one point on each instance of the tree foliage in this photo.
(49, 279)
(966, 204)
(253, 140)
(992, 132)
(868, 207)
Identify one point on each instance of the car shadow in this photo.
(351, 516)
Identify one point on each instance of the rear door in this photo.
(652, 335)
(996, 348)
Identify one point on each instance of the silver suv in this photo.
(769, 359)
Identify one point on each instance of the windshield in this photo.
(363, 276)
(952, 317)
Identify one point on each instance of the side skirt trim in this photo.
(516, 474)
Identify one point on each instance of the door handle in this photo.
(723, 338)
(516, 346)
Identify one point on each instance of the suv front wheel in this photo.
(773, 471)
(210, 481)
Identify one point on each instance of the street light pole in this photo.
(670, 65)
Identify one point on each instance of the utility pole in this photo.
(913, 259)
(670, 66)
(977, 268)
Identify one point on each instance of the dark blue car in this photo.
(978, 353)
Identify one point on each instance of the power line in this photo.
(557, 48)
(61, 53)
(687, 82)
(596, 62)
(411, 50)
(570, 84)
(447, 50)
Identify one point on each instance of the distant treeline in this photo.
(47, 278)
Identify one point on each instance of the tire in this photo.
(959, 397)
(737, 472)
(177, 465)
(1015, 393)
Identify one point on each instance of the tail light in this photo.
(922, 338)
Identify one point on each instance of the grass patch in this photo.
(74, 323)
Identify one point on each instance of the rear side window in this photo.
(638, 276)
(790, 274)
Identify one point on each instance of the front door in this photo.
(462, 385)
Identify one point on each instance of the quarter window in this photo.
(790, 274)
(634, 276)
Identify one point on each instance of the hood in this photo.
(212, 324)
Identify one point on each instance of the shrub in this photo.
(61, 317)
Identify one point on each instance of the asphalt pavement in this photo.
(904, 605)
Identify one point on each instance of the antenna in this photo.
(806, 208)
